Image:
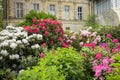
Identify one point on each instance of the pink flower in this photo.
(65, 45)
(81, 43)
(109, 36)
(98, 55)
(115, 40)
(44, 45)
(27, 28)
(92, 45)
(34, 20)
(60, 38)
(42, 55)
(98, 70)
(115, 50)
(102, 78)
(55, 30)
(95, 62)
(73, 37)
(44, 28)
(46, 33)
(106, 61)
(36, 30)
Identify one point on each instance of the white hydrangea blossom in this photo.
(35, 46)
(10, 27)
(13, 45)
(25, 41)
(4, 52)
(19, 42)
(4, 43)
(14, 56)
(39, 36)
(17, 39)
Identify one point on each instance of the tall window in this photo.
(36, 7)
(52, 9)
(80, 14)
(102, 5)
(19, 10)
(67, 12)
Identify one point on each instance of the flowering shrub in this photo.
(16, 44)
(39, 15)
(78, 40)
(102, 67)
(51, 30)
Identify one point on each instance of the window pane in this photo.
(19, 10)
(52, 9)
(36, 7)
(80, 13)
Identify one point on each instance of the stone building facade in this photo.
(108, 12)
(72, 13)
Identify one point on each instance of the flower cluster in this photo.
(111, 44)
(101, 66)
(15, 43)
(51, 30)
(84, 38)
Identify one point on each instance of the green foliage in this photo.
(62, 64)
(115, 75)
(90, 22)
(113, 30)
(1, 16)
(34, 14)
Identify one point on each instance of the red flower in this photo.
(93, 45)
(44, 45)
(36, 30)
(109, 36)
(42, 55)
(46, 33)
(98, 55)
(27, 28)
(65, 45)
(115, 40)
(60, 38)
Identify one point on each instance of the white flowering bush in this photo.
(16, 44)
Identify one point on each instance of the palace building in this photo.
(72, 13)
(107, 12)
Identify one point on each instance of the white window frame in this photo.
(36, 6)
(80, 12)
(19, 10)
(52, 9)
(67, 12)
